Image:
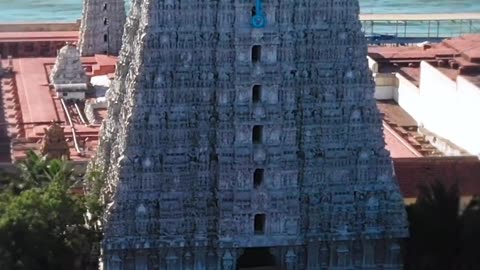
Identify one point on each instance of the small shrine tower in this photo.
(54, 144)
(102, 27)
(68, 76)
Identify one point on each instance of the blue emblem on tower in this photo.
(258, 18)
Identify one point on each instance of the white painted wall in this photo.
(407, 95)
(372, 64)
(385, 85)
(469, 111)
(71, 95)
(449, 108)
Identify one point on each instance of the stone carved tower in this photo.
(101, 28)
(245, 133)
(68, 67)
(54, 145)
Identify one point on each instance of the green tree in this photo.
(42, 224)
(435, 227)
(442, 237)
(38, 171)
(94, 202)
(32, 172)
(470, 236)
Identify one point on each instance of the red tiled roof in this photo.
(460, 55)
(468, 46)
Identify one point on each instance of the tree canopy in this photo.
(442, 235)
(42, 223)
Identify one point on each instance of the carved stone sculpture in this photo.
(54, 145)
(68, 67)
(247, 127)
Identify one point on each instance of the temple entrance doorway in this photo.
(256, 259)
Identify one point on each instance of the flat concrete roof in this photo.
(38, 36)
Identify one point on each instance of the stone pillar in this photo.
(200, 259)
(114, 262)
(212, 263)
(290, 259)
(187, 261)
(343, 255)
(393, 260)
(312, 255)
(171, 261)
(227, 261)
(141, 261)
(324, 256)
(368, 254)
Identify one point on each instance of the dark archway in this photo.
(253, 258)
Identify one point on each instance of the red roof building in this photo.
(438, 85)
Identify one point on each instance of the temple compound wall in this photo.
(245, 134)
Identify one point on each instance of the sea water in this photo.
(70, 10)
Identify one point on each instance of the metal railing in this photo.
(401, 28)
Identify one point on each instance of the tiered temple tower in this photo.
(102, 27)
(68, 67)
(244, 134)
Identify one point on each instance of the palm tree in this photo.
(31, 172)
(38, 171)
(434, 228)
(470, 236)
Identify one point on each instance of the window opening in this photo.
(105, 7)
(258, 177)
(257, 93)
(257, 135)
(259, 225)
(256, 53)
(105, 21)
(105, 38)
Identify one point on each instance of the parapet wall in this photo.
(39, 27)
(36, 39)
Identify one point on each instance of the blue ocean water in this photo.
(70, 10)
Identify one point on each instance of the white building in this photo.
(438, 86)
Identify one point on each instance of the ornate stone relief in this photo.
(54, 144)
(192, 139)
